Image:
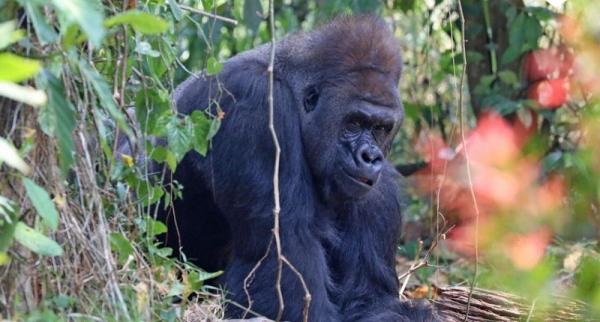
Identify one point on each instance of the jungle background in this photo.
(499, 146)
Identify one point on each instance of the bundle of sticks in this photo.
(485, 305)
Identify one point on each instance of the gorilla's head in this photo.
(351, 110)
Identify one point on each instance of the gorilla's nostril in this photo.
(366, 157)
(371, 156)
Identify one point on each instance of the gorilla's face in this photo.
(347, 131)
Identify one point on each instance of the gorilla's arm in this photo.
(240, 164)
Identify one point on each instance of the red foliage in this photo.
(551, 63)
(549, 94)
(505, 183)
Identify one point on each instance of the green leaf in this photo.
(25, 94)
(10, 155)
(175, 9)
(155, 227)
(179, 136)
(214, 128)
(501, 104)
(509, 77)
(141, 22)
(86, 13)
(171, 160)
(8, 212)
(121, 246)
(8, 34)
(144, 48)
(36, 242)
(213, 67)
(44, 32)
(523, 34)
(42, 203)
(58, 119)
(201, 125)
(4, 259)
(16, 69)
(71, 36)
(103, 91)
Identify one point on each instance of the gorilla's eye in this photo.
(310, 99)
(381, 130)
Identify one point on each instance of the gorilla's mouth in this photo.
(360, 180)
(366, 181)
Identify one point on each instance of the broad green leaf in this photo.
(121, 246)
(155, 227)
(57, 118)
(213, 67)
(214, 128)
(24, 94)
(509, 77)
(86, 13)
(44, 32)
(16, 69)
(8, 34)
(36, 242)
(175, 9)
(7, 232)
(201, 125)
(523, 35)
(179, 136)
(10, 155)
(171, 160)
(42, 203)
(140, 21)
(71, 36)
(103, 91)
(159, 154)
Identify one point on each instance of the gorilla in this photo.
(336, 112)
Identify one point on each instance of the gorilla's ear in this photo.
(311, 97)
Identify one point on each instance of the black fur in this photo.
(340, 234)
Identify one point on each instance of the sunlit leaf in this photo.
(36, 241)
(17, 69)
(141, 22)
(85, 13)
(24, 94)
(10, 155)
(4, 259)
(9, 34)
(213, 66)
(42, 203)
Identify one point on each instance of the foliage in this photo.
(76, 74)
